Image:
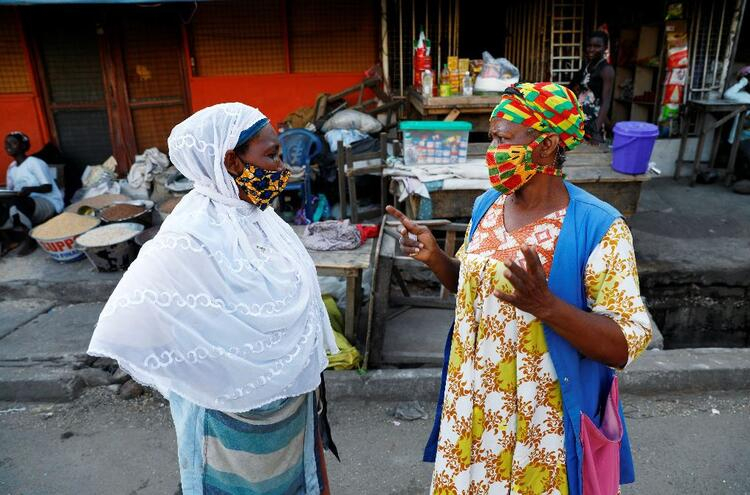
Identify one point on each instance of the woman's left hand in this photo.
(532, 293)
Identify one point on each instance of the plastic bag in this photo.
(352, 119)
(677, 44)
(97, 180)
(348, 357)
(348, 136)
(94, 175)
(152, 162)
(497, 74)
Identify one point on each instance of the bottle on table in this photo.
(427, 83)
(467, 87)
(445, 82)
(455, 82)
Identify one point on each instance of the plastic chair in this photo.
(298, 148)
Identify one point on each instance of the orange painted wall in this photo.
(276, 95)
(21, 112)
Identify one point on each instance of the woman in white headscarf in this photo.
(222, 314)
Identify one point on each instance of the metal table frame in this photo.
(731, 109)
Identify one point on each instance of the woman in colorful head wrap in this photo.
(547, 303)
(222, 314)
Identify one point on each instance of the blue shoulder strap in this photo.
(481, 205)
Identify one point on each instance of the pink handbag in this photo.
(601, 448)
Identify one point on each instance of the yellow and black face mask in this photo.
(262, 186)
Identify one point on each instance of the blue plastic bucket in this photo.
(632, 146)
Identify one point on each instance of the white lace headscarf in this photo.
(223, 306)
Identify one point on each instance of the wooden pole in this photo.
(692, 51)
(708, 40)
(373, 293)
(439, 65)
(450, 27)
(401, 47)
(426, 19)
(385, 59)
(413, 37)
(721, 32)
(455, 28)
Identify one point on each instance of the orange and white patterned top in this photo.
(502, 429)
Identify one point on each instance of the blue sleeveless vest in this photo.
(584, 383)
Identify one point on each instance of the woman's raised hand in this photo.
(416, 240)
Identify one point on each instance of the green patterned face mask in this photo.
(510, 166)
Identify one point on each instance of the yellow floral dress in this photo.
(501, 431)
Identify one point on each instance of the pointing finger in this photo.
(405, 221)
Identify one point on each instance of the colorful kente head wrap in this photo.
(545, 107)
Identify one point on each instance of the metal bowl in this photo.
(146, 235)
(111, 257)
(144, 218)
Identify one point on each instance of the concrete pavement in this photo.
(692, 244)
(683, 443)
(44, 360)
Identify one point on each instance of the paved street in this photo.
(100, 444)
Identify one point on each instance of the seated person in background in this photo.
(39, 198)
(593, 86)
(739, 93)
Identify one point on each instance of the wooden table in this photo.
(474, 109)
(730, 109)
(348, 264)
(586, 166)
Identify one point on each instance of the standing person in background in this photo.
(39, 198)
(593, 86)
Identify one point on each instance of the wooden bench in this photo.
(348, 264)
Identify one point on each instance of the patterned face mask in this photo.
(510, 166)
(262, 186)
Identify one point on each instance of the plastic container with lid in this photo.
(632, 146)
(435, 141)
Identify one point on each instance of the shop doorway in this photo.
(113, 81)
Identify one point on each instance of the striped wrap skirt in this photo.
(276, 449)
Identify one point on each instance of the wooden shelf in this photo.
(644, 77)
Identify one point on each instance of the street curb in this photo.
(655, 371)
(688, 370)
(39, 384)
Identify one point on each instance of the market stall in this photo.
(475, 109)
(437, 191)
